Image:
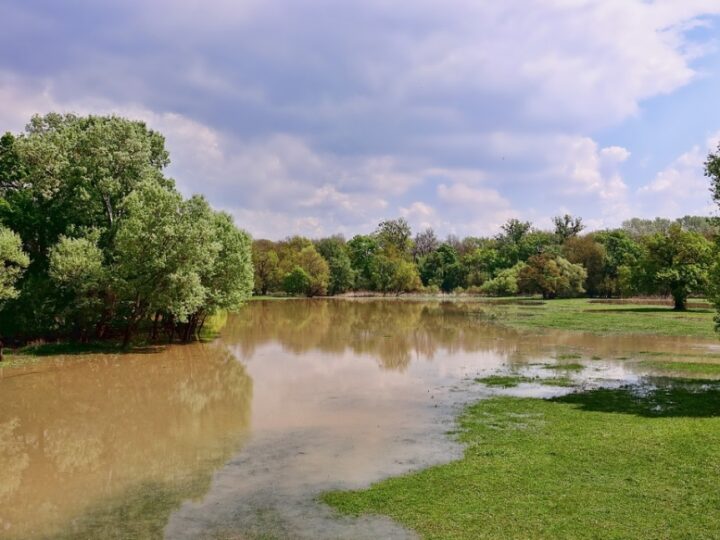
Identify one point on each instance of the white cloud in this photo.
(680, 188)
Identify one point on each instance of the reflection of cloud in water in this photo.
(81, 435)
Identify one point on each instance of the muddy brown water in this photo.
(237, 438)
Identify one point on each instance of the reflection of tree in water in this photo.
(395, 332)
(392, 331)
(134, 434)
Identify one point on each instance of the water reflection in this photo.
(236, 438)
(395, 333)
(86, 442)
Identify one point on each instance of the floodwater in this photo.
(237, 438)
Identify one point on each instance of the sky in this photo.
(319, 117)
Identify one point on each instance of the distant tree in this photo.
(505, 283)
(514, 230)
(425, 243)
(677, 262)
(622, 255)
(394, 237)
(442, 268)
(584, 250)
(567, 227)
(296, 282)
(362, 249)
(551, 276)
(481, 265)
(266, 264)
(342, 276)
(394, 275)
(712, 171)
(316, 267)
(639, 228)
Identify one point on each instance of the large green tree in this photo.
(676, 263)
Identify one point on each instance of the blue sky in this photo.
(317, 117)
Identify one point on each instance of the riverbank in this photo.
(605, 463)
(636, 461)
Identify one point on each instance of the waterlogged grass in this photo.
(607, 463)
(583, 315)
(511, 381)
(565, 367)
(503, 381)
(693, 368)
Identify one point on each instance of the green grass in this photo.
(503, 381)
(565, 367)
(685, 367)
(583, 315)
(607, 463)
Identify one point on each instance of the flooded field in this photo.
(236, 438)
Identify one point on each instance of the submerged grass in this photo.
(607, 463)
(584, 315)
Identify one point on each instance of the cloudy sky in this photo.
(317, 117)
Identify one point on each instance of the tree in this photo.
(712, 171)
(505, 283)
(77, 269)
(584, 250)
(362, 249)
(551, 276)
(677, 263)
(317, 270)
(567, 227)
(394, 237)
(13, 261)
(266, 264)
(394, 275)
(164, 246)
(425, 243)
(334, 251)
(622, 254)
(442, 268)
(296, 282)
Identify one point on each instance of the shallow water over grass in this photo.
(238, 438)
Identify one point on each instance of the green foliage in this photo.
(13, 261)
(567, 227)
(442, 268)
(585, 251)
(296, 282)
(266, 264)
(677, 263)
(552, 277)
(112, 244)
(505, 283)
(394, 237)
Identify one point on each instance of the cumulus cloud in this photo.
(681, 187)
(321, 117)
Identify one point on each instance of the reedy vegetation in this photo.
(97, 242)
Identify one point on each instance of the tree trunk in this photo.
(680, 303)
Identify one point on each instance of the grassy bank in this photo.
(598, 464)
(586, 316)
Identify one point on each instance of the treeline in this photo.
(652, 257)
(96, 242)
